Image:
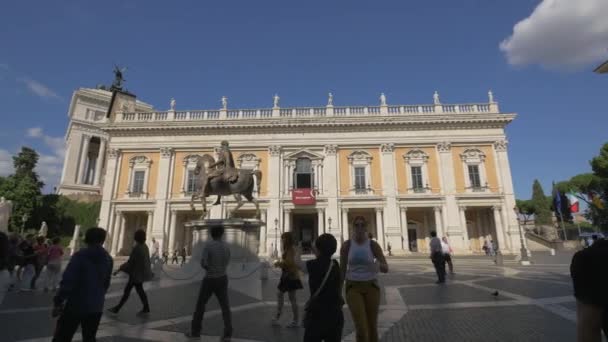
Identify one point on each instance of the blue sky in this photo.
(198, 51)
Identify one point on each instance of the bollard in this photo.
(264, 270)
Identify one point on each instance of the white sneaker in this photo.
(293, 324)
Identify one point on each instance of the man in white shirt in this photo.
(437, 257)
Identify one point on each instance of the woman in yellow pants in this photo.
(362, 259)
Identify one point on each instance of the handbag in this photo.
(307, 307)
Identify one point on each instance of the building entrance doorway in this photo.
(305, 231)
(412, 237)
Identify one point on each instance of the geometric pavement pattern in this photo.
(534, 303)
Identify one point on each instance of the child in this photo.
(290, 279)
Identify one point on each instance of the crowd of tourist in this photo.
(30, 262)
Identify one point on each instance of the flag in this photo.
(557, 200)
(574, 206)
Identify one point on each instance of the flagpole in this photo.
(561, 218)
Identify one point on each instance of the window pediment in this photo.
(416, 156)
(140, 161)
(360, 156)
(473, 156)
(304, 153)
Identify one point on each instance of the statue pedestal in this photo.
(242, 236)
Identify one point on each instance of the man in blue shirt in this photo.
(81, 295)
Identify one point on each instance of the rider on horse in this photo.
(224, 167)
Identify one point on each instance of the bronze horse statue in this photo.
(242, 187)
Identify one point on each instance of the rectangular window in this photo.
(474, 178)
(360, 178)
(192, 182)
(417, 184)
(138, 182)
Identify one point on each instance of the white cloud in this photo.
(49, 166)
(6, 163)
(39, 89)
(560, 34)
(34, 132)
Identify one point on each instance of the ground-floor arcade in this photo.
(474, 223)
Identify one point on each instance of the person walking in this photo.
(81, 295)
(13, 259)
(26, 247)
(447, 253)
(139, 270)
(290, 280)
(41, 251)
(437, 257)
(323, 317)
(215, 259)
(53, 267)
(183, 255)
(590, 283)
(174, 259)
(155, 250)
(165, 258)
(360, 260)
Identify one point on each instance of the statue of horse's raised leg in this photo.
(239, 204)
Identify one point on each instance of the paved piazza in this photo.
(534, 303)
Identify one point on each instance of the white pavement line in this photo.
(501, 292)
(393, 297)
(560, 311)
(556, 300)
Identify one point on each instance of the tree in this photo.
(540, 204)
(23, 187)
(592, 188)
(526, 209)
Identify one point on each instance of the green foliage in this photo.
(23, 188)
(61, 214)
(595, 183)
(526, 209)
(540, 204)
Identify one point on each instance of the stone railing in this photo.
(302, 112)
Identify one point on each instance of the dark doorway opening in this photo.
(305, 230)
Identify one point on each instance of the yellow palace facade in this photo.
(405, 169)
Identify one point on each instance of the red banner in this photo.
(303, 196)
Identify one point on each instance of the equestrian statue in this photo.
(222, 178)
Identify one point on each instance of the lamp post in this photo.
(276, 237)
(23, 220)
(525, 260)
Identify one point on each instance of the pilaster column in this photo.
(163, 193)
(274, 191)
(117, 231)
(172, 231)
(389, 191)
(84, 154)
(331, 186)
(320, 221)
(345, 224)
(405, 237)
(499, 233)
(107, 193)
(505, 179)
(380, 228)
(287, 213)
(463, 224)
(453, 222)
(149, 225)
(438, 223)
